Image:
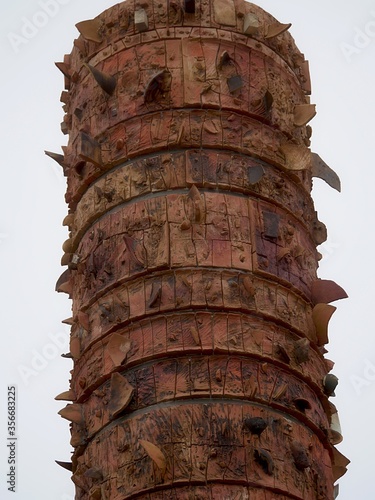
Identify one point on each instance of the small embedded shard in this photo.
(301, 351)
(256, 425)
(159, 86)
(255, 174)
(282, 354)
(300, 457)
(323, 171)
(90, 30)
(106, 82)
(155, 454)
(271, 225)
(66, 396)
(118, 348)
(57, 157)
(276, 29)
(251, 24)
(195, 334)
(296, 157)
(303, 113)
(234, 83)
(121, 394)
(264, 459)
(155, 298)
(93, 473)
(65, 465)
(189, 6)
(326, 291)
(322, 314)
(280, 392)
(68, 220)
(73, 413)
(90, 150)
(141, 20)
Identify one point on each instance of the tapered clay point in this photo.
(121, 394)
(303, 113)
(91, 150)
(106, 82)
(64, 68)
(66, 396)
(68, 321)
(256, 425)
(300, 457)
(340, 464)
(322, 313)
(73, 413)
(57, 157)
(326, 291)
(62, 282)
(323, 171)
(155, 454)
(69, 220)
(65, 465)
(264, 459)
(276, 29)
(118, 348)
(90, 30)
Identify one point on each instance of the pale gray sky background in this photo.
(333, 37)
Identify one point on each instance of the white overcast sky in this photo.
(32, 207)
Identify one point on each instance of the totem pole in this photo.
(199, 322)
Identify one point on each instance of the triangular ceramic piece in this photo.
(90, 30)
(303, 113)
(323, 171)
(73, 413)
(121, 394)
(155, 454)
(57, 157)
(106, 82)
(65, 465)
(276, 29)
(62, 281)
(326, 291)
(340, 463)
(118, 348)
(66, 396)
(251, 24)
(64, 68)
(322, 313)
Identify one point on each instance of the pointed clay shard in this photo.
(282, 354)
(57, 157)
(264, 459)
(118, 348)
(84, 320)
(256, 425)
(158, 86)
(303, 113)
(300, 457)
(141, 20)
(68, 321)
(67, 355)
(326, 291)
(251, 24)
(340, 463)
(155, 454)
(121, 394)
(106, 82)
(276, 29)
(234, 83)
(90, 30)
(155, 298)
(296, 157)
(323, 171)
(64, 68)
(321, 315)
(73, 413)
(66, 396)
(280, 392)
(195, 334)
(69, 220)
(62, 284)
(336, 490)
(90, 150)
(65, 465)
(255, 174)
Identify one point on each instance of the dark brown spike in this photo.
(65, 465)
(106, 82)
(57, 157)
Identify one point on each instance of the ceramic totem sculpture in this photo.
(199, 322)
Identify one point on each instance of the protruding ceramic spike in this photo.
(256, 425)
(276, 29)
(66, 396)
(155, 454)
(90, 30)
(106, 82)
(330, 383)
(90, 150)
(336, 490)
(323, 171)
(326, 291)
(264, 459)
(155, 297)
(68, 321)
(64, 68)
(65, 465)
(62, 285)
(67, 355)
(118, 348)
(300, 457)
(73, 413)
(251, 24)
(303, 113)
(340, 463)
(189, 6)
(121, 394)
(68, 220)
(140, 20)
(296, 157)
(57, 157)
(322, 313)
(158, 86)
